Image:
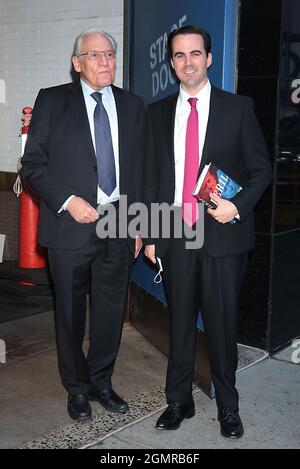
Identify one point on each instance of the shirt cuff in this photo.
(65, 205)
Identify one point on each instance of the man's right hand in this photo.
(150, 253)
(82, 211)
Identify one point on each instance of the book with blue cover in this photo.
(213, 180)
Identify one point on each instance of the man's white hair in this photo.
(89, 32)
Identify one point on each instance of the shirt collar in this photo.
(203, 94)
(87, 90)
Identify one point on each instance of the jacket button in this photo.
(95, 168)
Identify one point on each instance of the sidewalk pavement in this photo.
(33, 402)
(269, 408)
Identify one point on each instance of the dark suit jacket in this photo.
(59, 159)
(234, 142)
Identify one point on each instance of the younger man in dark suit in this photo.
(198, 125)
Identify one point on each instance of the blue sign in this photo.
(154, 20)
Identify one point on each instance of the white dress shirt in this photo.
(109, 103)
(183, 110)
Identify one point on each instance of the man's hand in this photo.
(150, 253)
(225, 211)
(82, 211)
(138, 246)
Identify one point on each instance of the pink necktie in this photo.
(190, 212)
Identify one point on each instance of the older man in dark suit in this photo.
(84, 148)
(187, 130)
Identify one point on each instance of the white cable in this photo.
(18, 188)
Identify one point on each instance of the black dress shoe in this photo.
(79, 407)
(109, 400)
(172, 417)
(231, 424)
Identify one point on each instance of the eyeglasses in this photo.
(94, 54)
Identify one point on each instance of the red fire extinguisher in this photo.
(31, 255)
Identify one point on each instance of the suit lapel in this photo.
(169, 120)
(77, 104)
(121, 114)
(215, 110)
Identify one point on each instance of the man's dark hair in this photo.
(190, 29)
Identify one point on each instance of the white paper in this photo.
(2, 242)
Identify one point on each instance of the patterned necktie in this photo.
(104, 148)
(190, 212)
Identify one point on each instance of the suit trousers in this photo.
(105, 265)
(196, 281)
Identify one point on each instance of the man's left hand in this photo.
(138, 245)
(225, 211)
